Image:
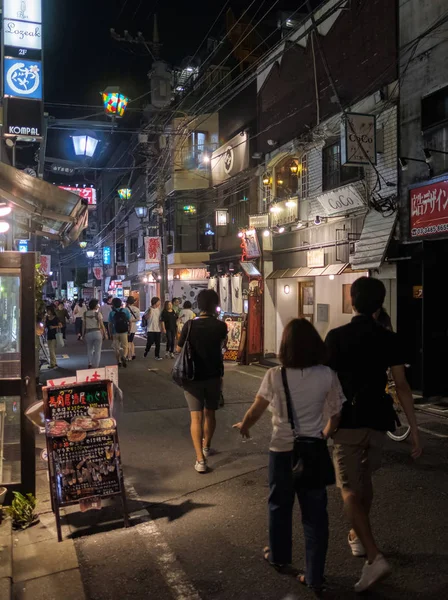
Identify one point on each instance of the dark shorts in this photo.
(131, 337)
(203, 394)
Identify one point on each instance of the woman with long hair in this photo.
(168, 319)
(94, 333)
(299, 394)
(78, 314)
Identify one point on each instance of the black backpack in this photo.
(121, 321)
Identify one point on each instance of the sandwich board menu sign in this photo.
(83, 449)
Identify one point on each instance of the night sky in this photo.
(81, 58)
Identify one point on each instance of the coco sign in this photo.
(341, 200)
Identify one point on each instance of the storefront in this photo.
(423, 288)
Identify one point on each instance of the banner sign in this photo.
(98, 272)
(106, 255)
(250, 245)
(45, 263)
(28, 10)
(87, 193)
(341, 200)
(230, 159)
(54, 284)
(83, 447)
(358, 139)
(286, 212)
(23, 78)
(22, 35)
(429, 209)
(153, 250)
(23, 119)
(235, 337)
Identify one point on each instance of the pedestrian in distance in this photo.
(135, 318)
(94, 333)
(185, 315)
(119, 321)
(169, 319)
(176, 306)
(153, 328)
(78, 314)
(105, 309)
(305, 399)
(53, 326)
(361, 353)
(206, 336)
(62, 315)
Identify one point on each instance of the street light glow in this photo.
(5, 210)
(84, 144)
(4, 226)
(90, 253)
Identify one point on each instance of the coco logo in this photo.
(341, 202)
(365, 139)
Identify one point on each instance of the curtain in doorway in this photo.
(237, 294)
(224, 295)
(213, 284)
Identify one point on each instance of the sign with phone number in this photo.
(429, 209)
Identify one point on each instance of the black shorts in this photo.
(131, 337)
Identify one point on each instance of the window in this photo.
(133, 245)
(334, 174)
(435, 109)
(304, 177)
(286, 181)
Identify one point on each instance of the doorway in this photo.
(306, 300)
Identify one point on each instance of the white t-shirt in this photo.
(79, 311)
(135, 316)
(316, 395)
(153, 317)
(186, 314)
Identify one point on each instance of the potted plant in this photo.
(22, 511)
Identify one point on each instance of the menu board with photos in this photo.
(82, 443)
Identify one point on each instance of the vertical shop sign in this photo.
(153, 250)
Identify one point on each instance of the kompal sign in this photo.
(23, 119)
(341, 200)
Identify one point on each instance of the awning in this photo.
(334, 269)
(371, 248)
(53, 213)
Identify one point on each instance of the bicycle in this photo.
(403, 430)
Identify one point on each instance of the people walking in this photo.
(119, 321)
(62, 315)
(53, 326)
(153, 328)
(94, 333)
(135, 317)
(186, 314)
(206, 335)
(168, 319)
(299, 394)
(105, 309)
(176, 306)
(78, 314)
(361, 353)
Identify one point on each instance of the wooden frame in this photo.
(306, 300)
(347, 308)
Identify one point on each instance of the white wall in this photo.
(287, 306)
(269, 329)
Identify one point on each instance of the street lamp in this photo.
(84, 143)
(115, 104)
(83, 245)
(141, 212)
(90, 253)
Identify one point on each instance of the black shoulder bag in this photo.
(312, 466)
(183, 369)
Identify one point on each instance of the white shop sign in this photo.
(24, 10)
(22, 35)
(341, 200)
(358, 139)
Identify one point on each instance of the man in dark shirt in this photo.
(206, 336)
(361, 353)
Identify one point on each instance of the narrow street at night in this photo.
(199, 536)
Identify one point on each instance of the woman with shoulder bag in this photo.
(299, 394)
(94, 333)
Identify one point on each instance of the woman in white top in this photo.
(186, 314)
(314, 391)
(94, 333)
(135, 318)
(78, 315)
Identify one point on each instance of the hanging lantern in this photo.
(294, 167)
(124, 193)
(84, 143)
(83, 245)
(115, 104)
(266, 179)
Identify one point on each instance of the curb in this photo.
(6, 559)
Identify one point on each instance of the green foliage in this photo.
(40, 281)
(22, 510)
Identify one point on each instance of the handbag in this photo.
(183, 369)
(312, 466)
(59, 340)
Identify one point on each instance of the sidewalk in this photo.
(42, 568)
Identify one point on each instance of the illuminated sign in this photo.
(190, 209)
(22, 246)
(88, 193)
(23, 10)
(22, 35)
(23, 78)
(106, 255)
(23, 119)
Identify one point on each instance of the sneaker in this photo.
(171, 354)
(145, 353)
(356, 546)
(159, 358)
(372, 572)
(166, 355)
(206, 452)
(201, 466)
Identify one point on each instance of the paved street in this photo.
(200, 536)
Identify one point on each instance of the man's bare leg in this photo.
(359, 518)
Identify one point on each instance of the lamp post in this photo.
(84, 143)
(114, 102)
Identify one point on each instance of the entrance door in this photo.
(306, 300)
(17, 370)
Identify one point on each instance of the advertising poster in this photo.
(153, 250)
(429, 209)
(235, 337)
(45, 263)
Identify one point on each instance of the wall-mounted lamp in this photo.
(280, 182)
(294, 167)
(428, 153)
(267, 179)
(331, 277)
(290, 204)
(403, 160)
(266, 233)
(286, 289)
(317, 220)
(281, 229)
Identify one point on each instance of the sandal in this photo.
(317, 588)
(285, 569)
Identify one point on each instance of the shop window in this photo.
(133, 245)
(334, 174)
(435, 109)
(286, 181)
